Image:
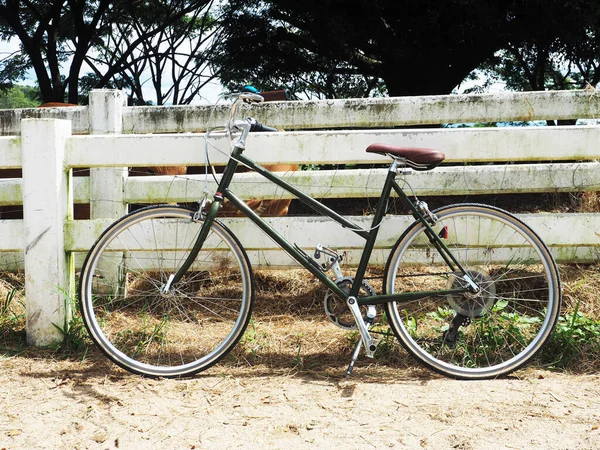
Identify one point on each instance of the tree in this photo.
(19, 97)
(562, 51)
(424, 47)
(174, 61)
(57, 33)
(348, 47)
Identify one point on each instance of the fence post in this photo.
(45, 210)
(107, 184)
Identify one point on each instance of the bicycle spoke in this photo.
(474, 334)
(165, 332)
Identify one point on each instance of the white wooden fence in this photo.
(107, 137)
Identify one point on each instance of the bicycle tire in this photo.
(474, 336)
(152, 333)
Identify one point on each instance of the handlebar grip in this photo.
(278, 95)
(257, 127)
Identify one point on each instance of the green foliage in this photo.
(19, 97)
(7, 315)
(557, 46)
(341, 48)
(358, 48)
(575, 336)
(75, 338)
(12, 319)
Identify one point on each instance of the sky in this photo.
(209, 93)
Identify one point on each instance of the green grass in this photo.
(575, 341)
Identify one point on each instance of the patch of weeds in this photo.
(298, 359)
(575, 343)
(249, 339)
(250, 344)
(9, 316)
(75, 338)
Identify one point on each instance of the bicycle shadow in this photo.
(316, 366)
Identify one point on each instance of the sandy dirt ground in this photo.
(91, 404)
(283, 387)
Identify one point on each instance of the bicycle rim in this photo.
(483, 335)
(156, 332)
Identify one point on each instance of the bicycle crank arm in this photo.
(371, 314)
(370, 345)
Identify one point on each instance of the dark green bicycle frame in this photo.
(304, 259)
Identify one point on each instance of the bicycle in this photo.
(468, 289)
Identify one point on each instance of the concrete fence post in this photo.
(107, 184)
(45, 210)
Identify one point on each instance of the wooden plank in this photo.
(45, 209)
(10, 119)
(277, 259)
(10, 152)
(12, 261)
(374, 112)
(12, 235)
(352, 183)
(307, 232)
(10, 191)
(338, 147)
(360, 183)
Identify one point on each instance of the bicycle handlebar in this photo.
(248, 97)
(257, 127)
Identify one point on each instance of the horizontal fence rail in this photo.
(108, 137)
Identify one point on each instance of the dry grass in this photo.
(289, 332)
(12, 308)
(589, 202)
(581, 285)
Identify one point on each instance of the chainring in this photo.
(336, 309)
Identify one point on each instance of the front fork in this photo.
(207, 221)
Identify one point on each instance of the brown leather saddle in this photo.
(415, 157)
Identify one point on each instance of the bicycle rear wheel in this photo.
(483, 335)
(176, 333)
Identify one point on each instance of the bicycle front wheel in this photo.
(153, 331)
(474, 335)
